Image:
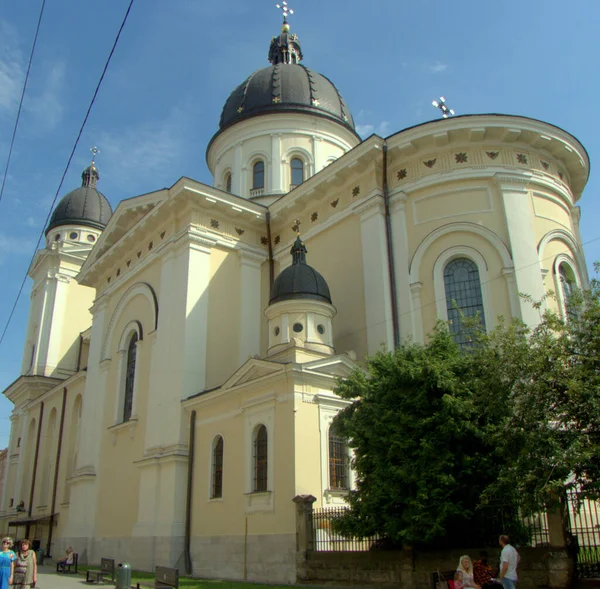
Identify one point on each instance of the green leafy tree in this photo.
(421, 458)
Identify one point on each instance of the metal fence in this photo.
(491, 521)
(584, 523)
(326, 539)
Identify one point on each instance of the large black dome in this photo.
(83, 206)
(299, 281)
(286, 87)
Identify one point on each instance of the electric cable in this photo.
(87, 114)
(12, 141)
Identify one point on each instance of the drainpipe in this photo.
(188, 500)
(79, 352)
(271, 261)
(390, 249)
(55, 485)
(35, 463)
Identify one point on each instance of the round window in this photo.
(321, 329)
(276, 331)
(298, 327)
(91, 238)
(73, 235)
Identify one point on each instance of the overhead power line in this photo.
(12, 141)
(87, 114)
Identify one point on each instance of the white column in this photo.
(376, 278)
(401, 264)
(513, 291)
(43, 337)
(250, 312)
(417, 315)
(237, 178)
(23, 451)
(279, 184)
(59, 314)
(523, 246)
(317, 158)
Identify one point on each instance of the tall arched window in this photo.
(217, 468)
(130, 377)
(297, 167)
(228, 182)
(463, 295)
(260, 459)
(568, 286)
(338, 460)
(258, 175)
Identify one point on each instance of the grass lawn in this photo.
(146, 579)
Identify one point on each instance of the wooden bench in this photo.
(107, 569)
(166, 577)
(68, 567)
(445, 576)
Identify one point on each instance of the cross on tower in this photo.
(95, 151)
(285, 10)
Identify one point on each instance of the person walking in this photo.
(7, 563)
(509, 560)
(25, 567)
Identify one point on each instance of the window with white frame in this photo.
(297, 171)
(462, 287)
(258, 175)
(130, 376)
(339, 464)
(568, 286)
(260, 460)
(216, 491)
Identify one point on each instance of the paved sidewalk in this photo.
(48, 578)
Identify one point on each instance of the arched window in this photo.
(260, 459)
(297, 167)
(228, 182)
(217, 468)
(130, 377)
(338, 460)
(463, 295)
(568, 286)
(258, 175)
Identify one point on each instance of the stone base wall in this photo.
(539, 567)
(265, 558)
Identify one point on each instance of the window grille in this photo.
(260, 460)
(463, 296)
(130, 377)
(338, 461)
(217, 474)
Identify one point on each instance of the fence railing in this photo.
(493, 520)
(326, 539)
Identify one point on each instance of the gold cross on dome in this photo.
(285, 10)
(240, 109)
(315, 102)
(95, 151)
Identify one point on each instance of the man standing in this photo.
(509, 559)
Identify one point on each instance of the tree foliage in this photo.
(439, 432)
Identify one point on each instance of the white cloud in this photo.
(437, 68)
(382, 129)
(14, 246)
(47, 106)
(144, 152)
(12, 72)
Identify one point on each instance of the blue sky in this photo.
(177, 61)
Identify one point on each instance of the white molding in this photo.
(484, 232)
(560, 294)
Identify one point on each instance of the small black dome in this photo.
(286, 88)
(299, 281)
(83, 206)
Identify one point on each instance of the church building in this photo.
(182, 351)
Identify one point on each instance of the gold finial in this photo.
(286, 11)
(95, 151)
(296, 227)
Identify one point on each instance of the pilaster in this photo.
(238, 179)
(523, 246)
(417, 315)
(376, 278)
(250, 312)
(277, 180)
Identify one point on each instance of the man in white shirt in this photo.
(509, 559)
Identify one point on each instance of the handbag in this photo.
(441, 581)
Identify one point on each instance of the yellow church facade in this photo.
(181, 356)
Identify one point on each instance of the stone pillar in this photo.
(23, 451)
(523, 245)
(317, 157)
(48, 294)
(417, 315)
(250, 312)
(237, 179)
(304, 533)
(401, 262)
(376, 277)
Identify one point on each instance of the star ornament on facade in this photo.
(276, 99)
(315, 102)
(240, 109)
